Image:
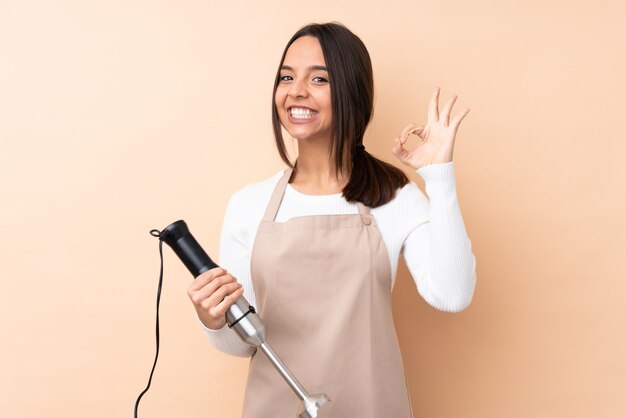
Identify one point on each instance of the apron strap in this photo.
(363, 210)
(279, 192)
(277, 196)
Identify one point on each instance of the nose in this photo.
(298, 89)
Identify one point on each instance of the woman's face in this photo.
(303, 97)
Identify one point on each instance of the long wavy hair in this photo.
(372, 182)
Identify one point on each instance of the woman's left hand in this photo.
(437, 137)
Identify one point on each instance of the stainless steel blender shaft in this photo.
(242, 318)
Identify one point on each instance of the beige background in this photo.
(121, 116)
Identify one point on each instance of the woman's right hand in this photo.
(212, 293)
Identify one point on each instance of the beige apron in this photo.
(323, 289)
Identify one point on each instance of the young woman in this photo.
(315, 248)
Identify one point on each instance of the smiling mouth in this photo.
(301, 113)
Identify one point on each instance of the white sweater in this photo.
(429, 233)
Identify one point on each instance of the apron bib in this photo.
(323, 289)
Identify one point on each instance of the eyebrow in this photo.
(313, 67)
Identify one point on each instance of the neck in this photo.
(315, 171)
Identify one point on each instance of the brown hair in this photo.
(372, 182)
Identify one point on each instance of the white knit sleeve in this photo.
(438, 252)
(235, 258)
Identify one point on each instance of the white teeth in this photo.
(301, 113)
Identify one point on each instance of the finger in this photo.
(418, 131)
(211, 287)
(227, 302)
(445, 113)
(209, 275)
(405, 132)
(209, 301)
(458, 118)
(397, 146)
(433, 107)
(205, 278)
(218, 296)
(399, 151)
(408, 130)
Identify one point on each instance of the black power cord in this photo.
(154, 233)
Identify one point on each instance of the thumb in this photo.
(398, 150)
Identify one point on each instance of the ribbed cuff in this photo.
(209, 330)
(440, 171)
(227, 341)
(438, 178)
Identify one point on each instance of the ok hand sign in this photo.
(436, 138)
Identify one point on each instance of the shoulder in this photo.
(245, 210)
(409, 196)
(405, 211)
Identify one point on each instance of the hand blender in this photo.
(241, 316)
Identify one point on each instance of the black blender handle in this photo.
(178, 237)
